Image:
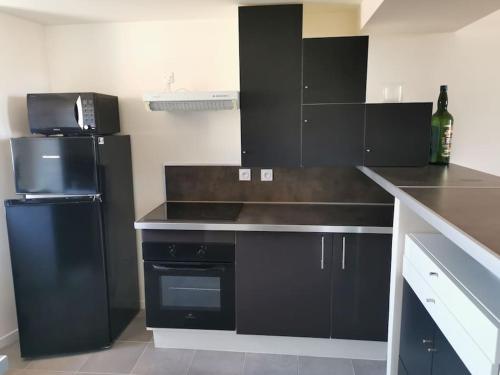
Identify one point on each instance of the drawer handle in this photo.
(433, 274)
(426, 341)
(430, 300)
(432, 350)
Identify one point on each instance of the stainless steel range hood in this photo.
(185, 101)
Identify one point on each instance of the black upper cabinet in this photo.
(270, 41)
(361, 273)
(333, 134)
(397, 134)
(335, 70)
(283, 283)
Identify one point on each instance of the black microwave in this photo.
(73, 114)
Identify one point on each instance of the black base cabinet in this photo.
(424, 350)
(283, 283)
(301, 284)
(361, 276)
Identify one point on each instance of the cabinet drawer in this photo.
(479, 324)
(467, 349)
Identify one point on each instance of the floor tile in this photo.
(207, 362)
(362, 367)
(69, 363)
(325, 366)
(121, 358)
(136, 331)
(270, 364)
(37, 372)
(155, 361)
(14, 356)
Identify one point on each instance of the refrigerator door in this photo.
(56, 165)
(59, 275)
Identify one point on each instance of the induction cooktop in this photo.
(203, 211)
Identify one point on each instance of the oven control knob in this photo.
(201, 252)
(171, 251)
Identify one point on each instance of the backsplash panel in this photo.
(221, 183)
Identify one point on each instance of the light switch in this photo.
(266, 174)
(245, 174)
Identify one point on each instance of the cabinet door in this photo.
(361, 272)
(335, 69)
(445, 360)
(283, 283)
(398, 134)
(417, 335)
(333, 135)
(270, 80)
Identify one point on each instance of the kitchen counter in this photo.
(284, 217)
(458, 203)
(461, 203)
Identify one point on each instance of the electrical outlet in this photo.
(245, 174)
(266, 174)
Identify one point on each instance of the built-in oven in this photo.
(189, 285)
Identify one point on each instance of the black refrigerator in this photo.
(72, 242)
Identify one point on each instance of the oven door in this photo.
(189, 295)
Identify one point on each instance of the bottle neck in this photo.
(443, 101)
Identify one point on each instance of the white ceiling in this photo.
(59, 12)
(417, 16)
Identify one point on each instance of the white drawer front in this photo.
(475, 320)
(472, 356)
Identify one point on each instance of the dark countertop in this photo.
(462, 203)
(357, 218)
(437, 176)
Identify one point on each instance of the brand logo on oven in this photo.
(190, 316)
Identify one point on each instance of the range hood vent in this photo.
(184, 101)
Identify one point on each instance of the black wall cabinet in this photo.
(361, 273)
(270, 40)
(423, 348)
(335, 69)
(333, 134)
(397, 134)
(282, 284)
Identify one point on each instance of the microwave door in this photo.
(49, 113)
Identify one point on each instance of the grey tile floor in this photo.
(134, 353)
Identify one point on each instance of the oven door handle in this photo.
(201, 269)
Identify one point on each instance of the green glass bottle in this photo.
(442, 130)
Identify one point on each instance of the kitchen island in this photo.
(463, 206)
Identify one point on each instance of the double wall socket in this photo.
(245, 174)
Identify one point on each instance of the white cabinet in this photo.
(461, 298)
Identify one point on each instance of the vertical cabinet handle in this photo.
(343, 253)
(322, 252)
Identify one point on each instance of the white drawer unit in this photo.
(3, 364)
(444, 280)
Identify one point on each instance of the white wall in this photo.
(129, 59)
(23, 68)
(468, 61)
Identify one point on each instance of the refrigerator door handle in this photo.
(79, 112)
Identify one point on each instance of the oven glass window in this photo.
(192, 292)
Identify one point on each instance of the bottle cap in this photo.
(444, 87)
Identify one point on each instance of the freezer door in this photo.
(59, 276)
(56, 165)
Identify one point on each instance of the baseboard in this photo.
(9, 338)
(230, 341)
